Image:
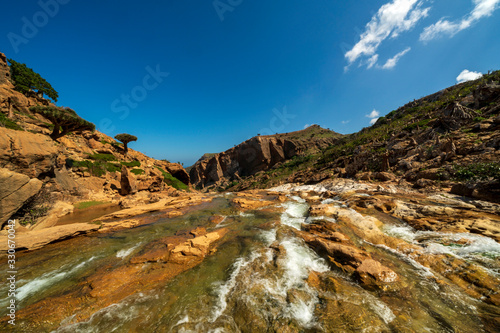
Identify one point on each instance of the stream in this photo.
(260, 279)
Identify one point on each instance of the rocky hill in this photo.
(258, 154)
(79, 166)
(449, 139)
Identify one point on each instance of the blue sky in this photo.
(190, 77)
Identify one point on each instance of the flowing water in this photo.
(259, 280)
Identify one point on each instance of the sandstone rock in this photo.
(36, 239)
(58, 210)
(27, 153)
(249, 204)
(178, 172)
(127, 182)
(65, 182)
(196, 247)
(16, 190)
(373, 274)
(385, 176)
(423, 183)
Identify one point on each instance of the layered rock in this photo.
(258, 154)
(17, 189)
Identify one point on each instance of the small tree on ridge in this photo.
(125, 139)
(65, 120)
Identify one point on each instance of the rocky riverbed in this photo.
(339, 256)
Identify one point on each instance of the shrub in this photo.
(137, 171)
(131, 164)
(420, 124)
(477, 171)
(102, 157)
(9, 123)
(172, 181)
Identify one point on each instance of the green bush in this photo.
(172, 181)
(97, 168)
(102, 157)
(9, 123)
(131, 164)
(477, 171)
(87, 204)
(420, 124)
(113, 167)
(137, 171)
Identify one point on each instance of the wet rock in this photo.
(216, 219)
(196, 247)
(251, 204)
(36, 239)
(373, 274)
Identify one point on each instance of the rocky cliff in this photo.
(258, 154)
(85, 165)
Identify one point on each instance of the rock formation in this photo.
(258, 154)
(16, 190)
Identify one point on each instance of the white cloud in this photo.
(306, 126)
(391, 63)
(373, 114)
(345, 122)
(372, 61)
(467, 75)
(391, 20)
(482, 8)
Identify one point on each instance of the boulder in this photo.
(127, 182)
(374, 275)
(384, 176)
(27, 153)
(17, 189)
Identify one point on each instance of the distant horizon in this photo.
(188, 80)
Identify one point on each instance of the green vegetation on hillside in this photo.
(423, 119)
(137, 171)
(9, 123)
(25, 80)
(172, 181)
(478, 171)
